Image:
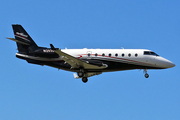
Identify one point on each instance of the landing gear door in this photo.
(89, 54)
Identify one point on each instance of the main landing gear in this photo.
(84, 79)
(146, 74)
(82, 75)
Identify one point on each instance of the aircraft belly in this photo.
(120, 66)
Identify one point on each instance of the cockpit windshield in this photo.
(150, 53)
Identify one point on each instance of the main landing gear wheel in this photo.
(146, 75)
(84, 79)
(80, 74)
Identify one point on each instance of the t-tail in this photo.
(27, 47)
(25, 43)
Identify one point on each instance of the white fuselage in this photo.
(130, 56)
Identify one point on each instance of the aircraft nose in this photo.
(169, 64)
(166, 63)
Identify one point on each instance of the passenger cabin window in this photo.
(103, 54)
(109, 54)
(129, 55)
(123, 55)
(136, 55)
(150, 53)
(89, 54)
(96, 54)
(116, 54)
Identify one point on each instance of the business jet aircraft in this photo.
(86, 62)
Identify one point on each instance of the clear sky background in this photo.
(32, 92)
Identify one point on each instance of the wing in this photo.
(74, 62)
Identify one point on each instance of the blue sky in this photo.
(29, 91)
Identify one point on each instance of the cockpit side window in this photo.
(153, 53)
(150, 53)
(147, 53)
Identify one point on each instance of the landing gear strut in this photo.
(146, 74)
(84, 79)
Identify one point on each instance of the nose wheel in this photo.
(146, 74)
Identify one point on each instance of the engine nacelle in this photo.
(95, 62)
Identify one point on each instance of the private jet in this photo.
(86, 62)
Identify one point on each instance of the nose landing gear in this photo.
(146, 74)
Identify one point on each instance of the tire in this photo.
(80, 74)
(146, 75)
(84, 79)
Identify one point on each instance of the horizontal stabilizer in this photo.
(20, 41)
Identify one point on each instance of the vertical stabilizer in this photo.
(21, 36)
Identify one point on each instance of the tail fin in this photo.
(24, 42)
